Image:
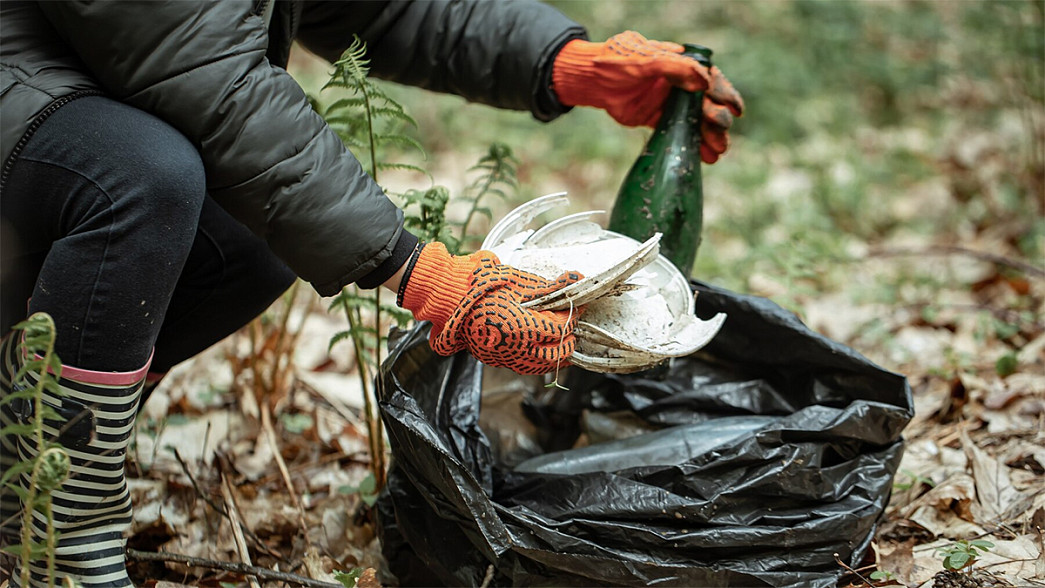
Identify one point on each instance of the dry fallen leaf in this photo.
(994, 491)
(368, 579)
(947, 509)
(1017, 558)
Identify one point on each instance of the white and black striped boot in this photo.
(92, 509)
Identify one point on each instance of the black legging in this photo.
(107, 226)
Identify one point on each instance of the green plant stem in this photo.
(38, 437)
(490, 179)
(282, 361)
(373, 425)
(377, 458)
(52, 541)
(376, 431)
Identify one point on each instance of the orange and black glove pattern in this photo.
(629, 76)
(475, 303)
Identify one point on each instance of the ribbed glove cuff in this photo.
(438, 283)
(573, 72)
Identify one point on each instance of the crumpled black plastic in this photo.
(794, 440)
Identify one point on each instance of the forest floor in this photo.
(266, 429)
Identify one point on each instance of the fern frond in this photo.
(401, 140)
(353, 64)
(403, 167)
(402, 317)
(394, 111)
(337, 82)
(496, 168)
(354, 144)
(337, 338)
(343, 104)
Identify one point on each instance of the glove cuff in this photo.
(437, 284)
(573, 71)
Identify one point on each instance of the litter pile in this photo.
(639, 309)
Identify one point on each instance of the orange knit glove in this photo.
(629, 77)
(474, 303)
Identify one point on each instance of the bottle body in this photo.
(663, 191)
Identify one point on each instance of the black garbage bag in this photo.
(765, 454)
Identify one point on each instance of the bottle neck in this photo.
(682, 107)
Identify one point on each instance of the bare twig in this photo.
(270, 434)
(237, 533)
(852, 571)
(257, 540)
(488, 577)
(994, 258)
(346, 412)
(1007, 561)
(1005, 314)
(286, 340)
(363, 459)
(228, 566)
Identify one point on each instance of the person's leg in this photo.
(108, 199)
(230, 278)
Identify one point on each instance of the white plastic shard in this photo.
(515, 221)
(606, 270)
(574, 228)
(639, 309)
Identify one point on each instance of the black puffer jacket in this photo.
(215, 72)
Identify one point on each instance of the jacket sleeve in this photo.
(493, 52)
(270, 160)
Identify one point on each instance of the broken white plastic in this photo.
(639, 309)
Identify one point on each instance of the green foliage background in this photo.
(869, 125)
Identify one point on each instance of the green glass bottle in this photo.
(663, 191)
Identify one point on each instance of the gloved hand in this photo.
(630, 76)
(474, 303)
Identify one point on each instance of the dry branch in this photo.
(994, 258)
(228, 566)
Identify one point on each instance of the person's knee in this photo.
(172, 180)
(151, 174)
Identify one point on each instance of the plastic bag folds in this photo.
(757, 459)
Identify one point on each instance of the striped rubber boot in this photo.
(92, 509)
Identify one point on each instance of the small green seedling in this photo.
(1007, 365)
(962, 554)
(348, 579)
(367, 489)
(881, 575)
(915, 480)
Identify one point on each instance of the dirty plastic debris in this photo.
(750, 463)
(639, 307)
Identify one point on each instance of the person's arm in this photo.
(523, 54)
(493, 52)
